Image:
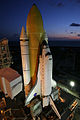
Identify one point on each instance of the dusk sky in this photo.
(61, 18)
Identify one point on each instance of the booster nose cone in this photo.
(23, 35)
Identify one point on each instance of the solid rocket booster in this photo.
(24, 43)
(35, 32)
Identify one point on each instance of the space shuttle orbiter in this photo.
(37, 61)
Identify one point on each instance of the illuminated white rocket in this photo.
(41, 61)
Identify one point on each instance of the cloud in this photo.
(55, 3)
(78, 35)
(60, 4)
(75, 25)
(71, 32)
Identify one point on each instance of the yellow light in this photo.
(1, 111)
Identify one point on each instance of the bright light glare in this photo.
(72, 83)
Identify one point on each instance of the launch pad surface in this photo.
(19, 111)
